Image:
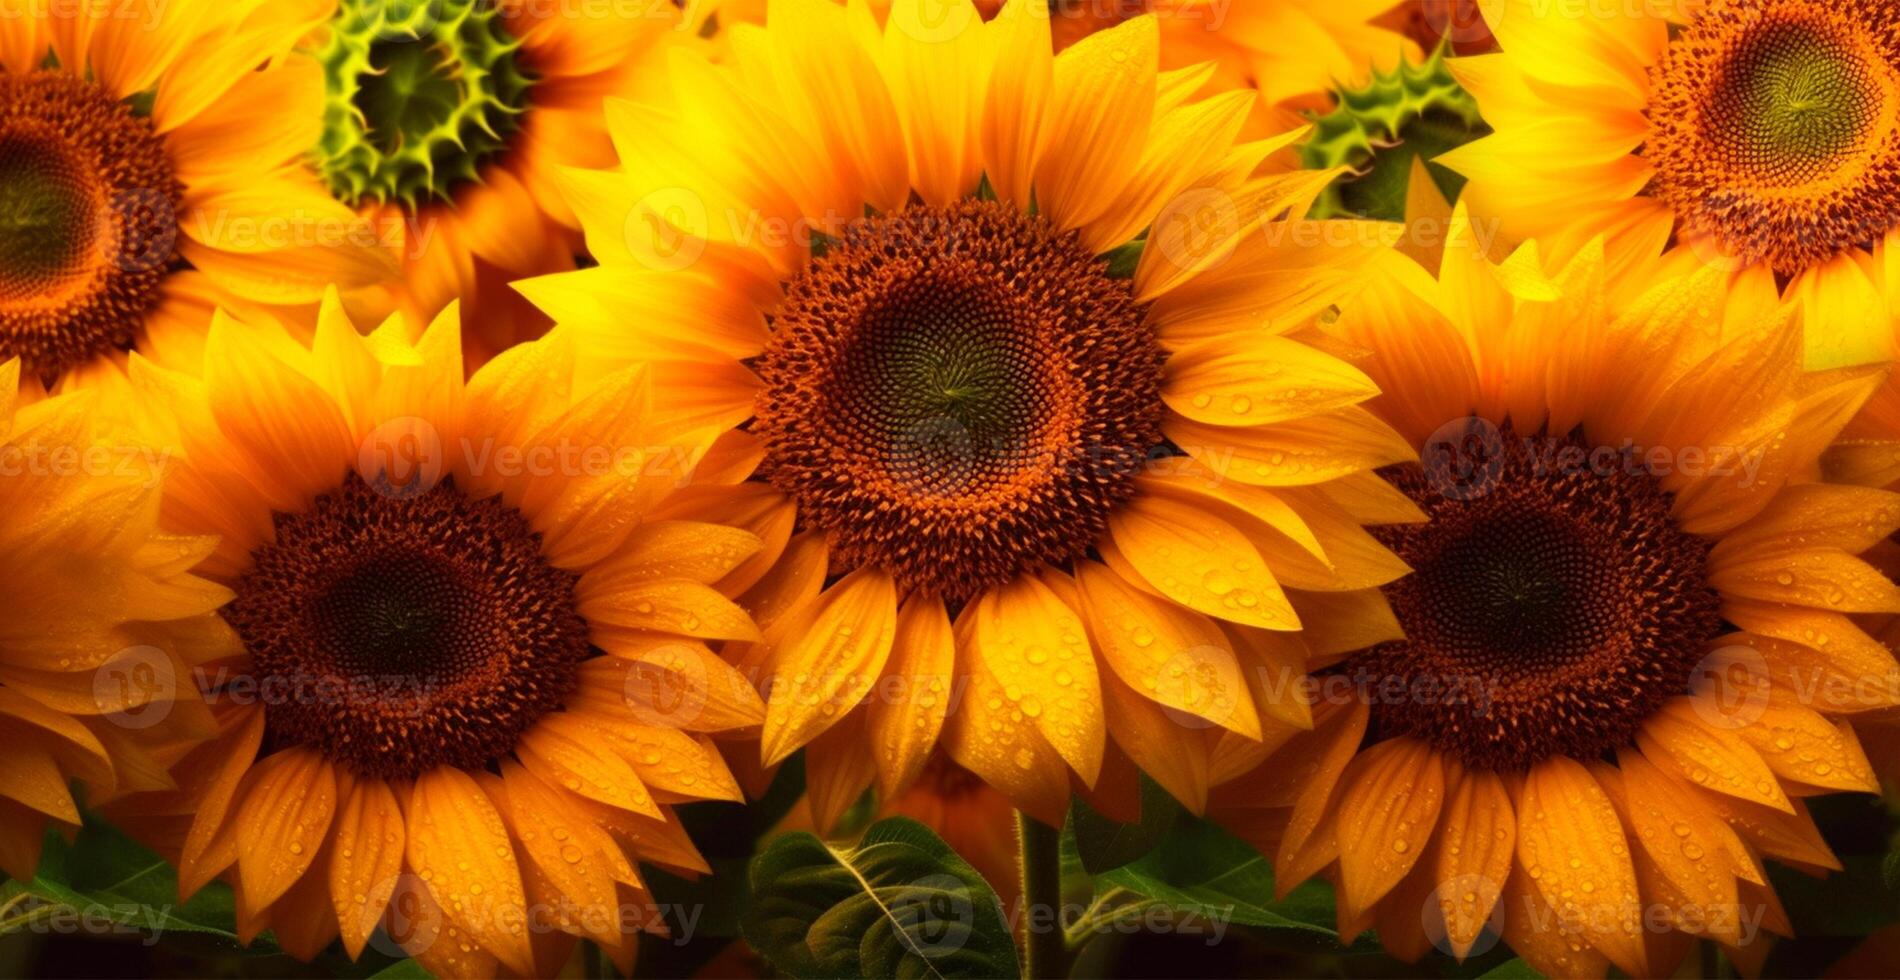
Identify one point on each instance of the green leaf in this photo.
(1124, 259)
(1854, 902)
(1512, 970)
(1104, 845)
(899, 904)
(403, 970)
(107, 877)
(1199, 867)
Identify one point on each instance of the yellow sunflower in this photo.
(473, 679)
(447, 124)
(1868, 454)
(105, 619)
(151, 167)
(948, 291)
(1293, 52)
(1626, 635)
(1758, 136)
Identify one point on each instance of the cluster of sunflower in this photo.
(1448, 447)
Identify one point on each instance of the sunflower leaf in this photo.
(900, 903)
(1199, 868)
(106, 881)
(1103, 844)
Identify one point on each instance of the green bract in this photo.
(1413, 112)
(419, 94)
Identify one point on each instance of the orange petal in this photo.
(283, 822)
(1676, 738)
(1388, 810)
(1038, 650)
(1573, 848)
(1197, 559)
(826, 669)
(460, 846)
(907, 712)
(1478, 843)
(1170, 655)
(366, 859)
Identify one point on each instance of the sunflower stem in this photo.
(1044, 946)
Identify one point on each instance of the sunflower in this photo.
(473, 679)
(105, 618)
(949, 291)
(1759, 136)
(1293, 52)
(447, 124)
(151, 168)
(1628, 620)
(1868, 454)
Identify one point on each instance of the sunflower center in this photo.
(88, 205)
(1552, 610)
(1773, 127)
(957, 395)
(422, 93)
(396, 633)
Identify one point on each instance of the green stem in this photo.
(1043, 941)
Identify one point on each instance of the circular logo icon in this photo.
(1198, 229)
(667, 686)
(402, 458)
(140, 229)
(1194, 686)
(1468, 900)
(1463, 459)
(411, 921)
(1730, 688)
(136, 687)
(933, 21)
(666, 231)
(1462, 21)
(936, 915)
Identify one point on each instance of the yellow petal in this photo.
(1803, 747)
(1100, 107)
(913, 698)
(1038, 650)
(1169, 655)
(668, 606)
(828, 667)
(583, 766)
(1197, 559)
(1257, 378)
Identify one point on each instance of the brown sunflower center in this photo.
(958, 394)
(396, 632)
(1555, 605)
(1773, 127)
(88, 227)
